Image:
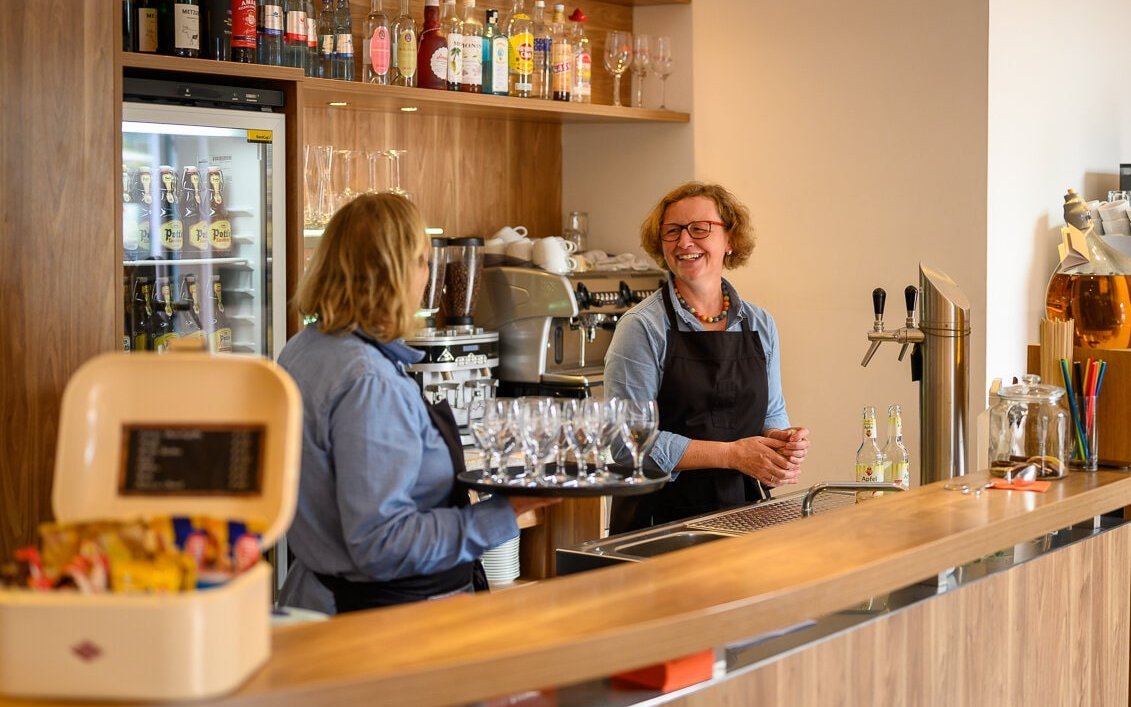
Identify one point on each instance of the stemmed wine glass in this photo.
(576, 436)
(641, 62)
(662, 65)
(639, 427)
(605, 423)
(618, 57)
(494, 432)
(540, 429)
(394, 181)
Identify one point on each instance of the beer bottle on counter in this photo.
(243, 31)
(162, 327)
(130, 212)
(143, 197)
(219, 329)
(186, 319)
(895, 454)
(219, 225)
(171, 228)
(141, 322)
(870, 462)
(194, 214)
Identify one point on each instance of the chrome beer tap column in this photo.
(940, 362)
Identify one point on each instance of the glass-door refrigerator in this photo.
(203, 229)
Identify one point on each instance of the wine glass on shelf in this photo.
(662, 65)
(641, 63)
(618, 57)
(639, 425)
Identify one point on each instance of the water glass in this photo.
(540, 431)
(576, 229)
(639, 425)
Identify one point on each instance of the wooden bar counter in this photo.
(589, 625)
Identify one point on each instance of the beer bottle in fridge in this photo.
(142, 320)
(219, 225)
(171, 229)
(186, 317)
(219, 329)
(194, 214)
(130, 210)
(142, 191)
(163, 328)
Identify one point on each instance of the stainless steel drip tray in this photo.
(662, 539)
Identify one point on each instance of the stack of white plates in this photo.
(501, 563)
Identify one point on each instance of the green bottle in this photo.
(496, 56)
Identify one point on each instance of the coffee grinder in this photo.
(459, 357)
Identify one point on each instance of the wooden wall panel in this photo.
(1054, 631)
(462, 172)
(60, 298)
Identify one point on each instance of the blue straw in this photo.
(1080, 441)
(1100, 377)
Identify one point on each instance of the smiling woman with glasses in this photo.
(710, 360)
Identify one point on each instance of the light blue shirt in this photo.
(376, 474)
(634, 362)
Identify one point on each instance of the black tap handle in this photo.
(878, 299)
(910, 294)
(584, 299)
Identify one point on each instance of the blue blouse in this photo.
(376, 474)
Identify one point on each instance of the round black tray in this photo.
(656, 480)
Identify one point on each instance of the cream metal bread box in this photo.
(174, 646)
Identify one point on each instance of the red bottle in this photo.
(432, 57)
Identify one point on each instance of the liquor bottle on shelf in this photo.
(432, 56)
(453, 35)
(270, 44)
(581, 90)
(143, 196)
(561, 56)
(186, 316)
(130, 213)
(294, 34)
(496, 49)
(471, 81)
(145, 26)
(162, 327)
(171, 229)
(220, 228)
(540, 79)
(343, 43)
(178, 27)
(216, 42)
(311, 68)
(218, 328)
(403, 53)
(194, 214)
(375, 48)
(895, 454)
(520, 34)
(326, 40)
(141, 321)
(243, 31)
(869, 459)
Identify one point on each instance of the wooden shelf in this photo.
(319, 93)
(359, 96)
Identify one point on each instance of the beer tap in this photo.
(906, 335)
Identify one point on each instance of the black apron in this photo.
(714, 388)
(464, 577)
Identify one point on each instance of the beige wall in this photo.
(857, 138)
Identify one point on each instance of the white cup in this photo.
(1119, 227)
(1113, 210)
(510, 234)
(520, 249)
(495, 246)
(553, 253)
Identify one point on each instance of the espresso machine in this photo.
(459, 357)
(554, 329)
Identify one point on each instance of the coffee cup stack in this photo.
(1114, 215)
(554, 254)
(509, 245)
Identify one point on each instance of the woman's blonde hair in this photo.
(362, 273)
(735, 216)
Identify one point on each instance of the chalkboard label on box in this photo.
(192, 460)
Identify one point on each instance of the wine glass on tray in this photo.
(639, 425)
(618, 57)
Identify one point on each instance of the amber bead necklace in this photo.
(702, 317)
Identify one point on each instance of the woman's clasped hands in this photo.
(774, 458)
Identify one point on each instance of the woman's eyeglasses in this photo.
(695, 229)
